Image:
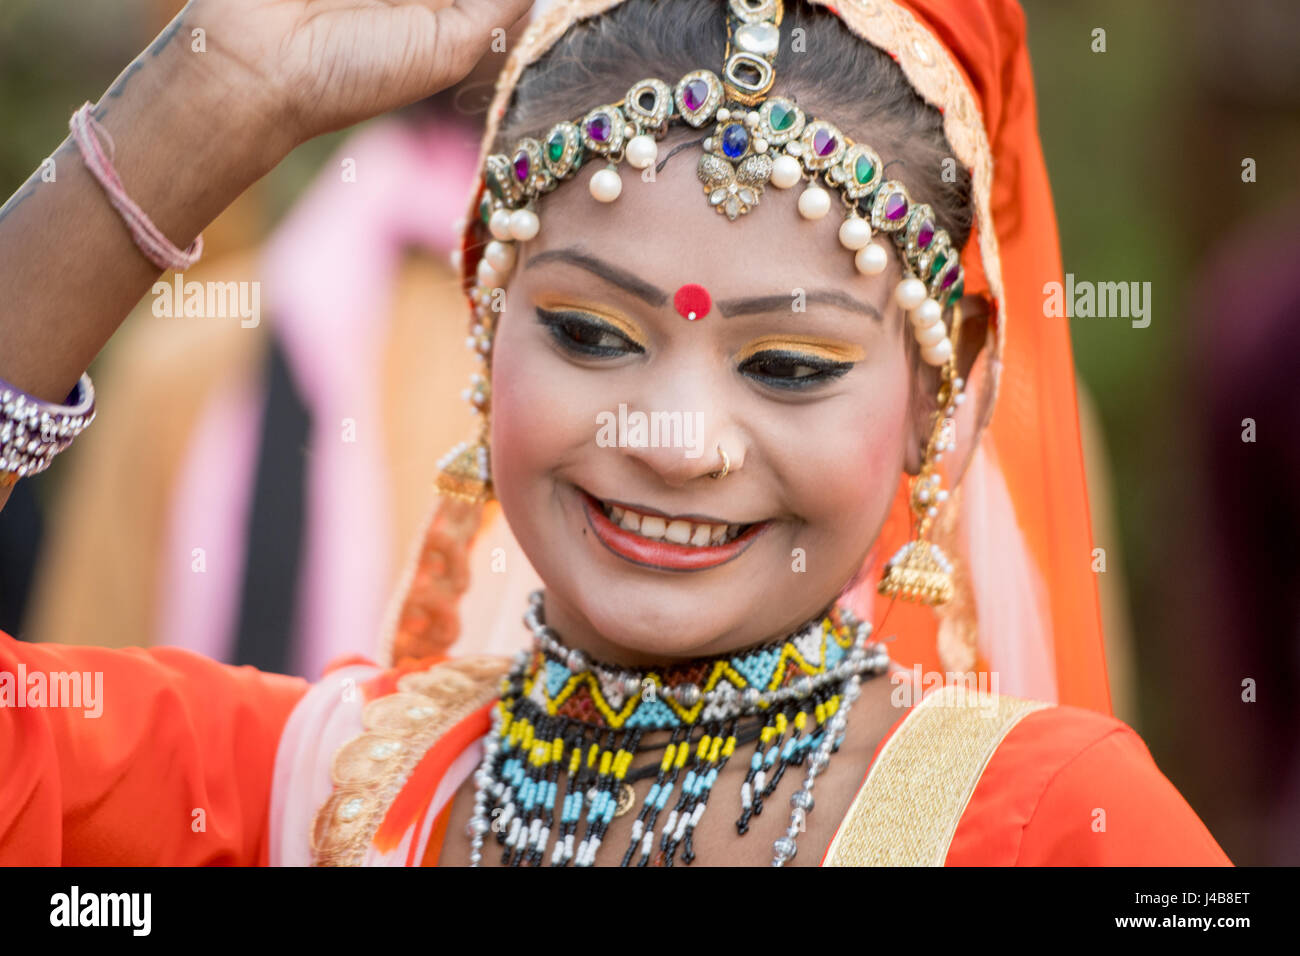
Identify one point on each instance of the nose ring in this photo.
(726, 465)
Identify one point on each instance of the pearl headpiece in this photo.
(755, 140)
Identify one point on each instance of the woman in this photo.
(707, 589)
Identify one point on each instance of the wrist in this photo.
(189, 136)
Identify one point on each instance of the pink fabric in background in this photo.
(327, 275)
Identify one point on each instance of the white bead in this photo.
(455, 257)
(501, 255)
(930, 335)
(855, 232)
(786, 171)
(486, 275)
(814, 202)
(910, 293)
(937, 354)
(871, 259)
(524, 224)
(641, 151)
(499, 224)
(927, 313)
(606, 185)
(723, 114)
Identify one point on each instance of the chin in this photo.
(641, 621)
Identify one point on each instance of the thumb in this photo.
(462, 33)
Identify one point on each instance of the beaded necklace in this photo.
(560, 710)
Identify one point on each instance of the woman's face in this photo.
(798, 371)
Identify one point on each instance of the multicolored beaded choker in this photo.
(561, 711)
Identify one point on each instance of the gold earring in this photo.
(920, 571)
(465, 472)
(726, 465)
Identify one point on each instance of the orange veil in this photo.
(1026, 617)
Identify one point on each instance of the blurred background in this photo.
(1194, 461)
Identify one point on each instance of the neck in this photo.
(576, 633)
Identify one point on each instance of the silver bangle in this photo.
(33, 431)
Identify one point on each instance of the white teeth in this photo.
(678, 532)
(652, 526)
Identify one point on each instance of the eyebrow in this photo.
(780, 303)
(650, 294)
(729, 308)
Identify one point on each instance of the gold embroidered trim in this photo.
(370, 770)
(908, 809)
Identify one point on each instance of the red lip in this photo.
(665, 555)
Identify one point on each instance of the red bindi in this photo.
(692, 302)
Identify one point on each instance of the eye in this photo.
(792, 370)
(583, 334)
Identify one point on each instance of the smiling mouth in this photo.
(681, 531)
(668, 542)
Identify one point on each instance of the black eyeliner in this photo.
(825, 371)
(560, 323)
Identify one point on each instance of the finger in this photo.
(465, 30)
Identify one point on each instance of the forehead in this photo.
(665, 232)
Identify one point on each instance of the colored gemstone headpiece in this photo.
(756, 139)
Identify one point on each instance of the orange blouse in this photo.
(177, 769)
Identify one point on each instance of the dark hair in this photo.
(834, 76)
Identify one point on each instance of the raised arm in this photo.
(214, 103)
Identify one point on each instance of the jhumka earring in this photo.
(920, 571)
(465, 472)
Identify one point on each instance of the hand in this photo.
(313, 66)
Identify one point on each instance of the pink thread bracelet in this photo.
(147, 236)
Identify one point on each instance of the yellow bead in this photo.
(780, 724)
(668, 758)
(766, 734)
(591, 755)
(682, 751)
(703, 747)
(605, 760)
(575, 759)
(729, 747)
(714, 748)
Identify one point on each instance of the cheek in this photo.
(540, 414)
(851, 458)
